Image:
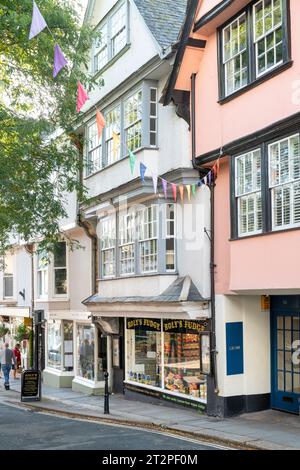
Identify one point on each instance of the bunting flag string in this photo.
(191, 189)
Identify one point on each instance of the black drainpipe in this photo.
(212, 236)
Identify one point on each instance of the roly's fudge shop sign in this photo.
(169, 326)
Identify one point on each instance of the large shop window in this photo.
(170, 355)
(54, 344)
(252, 44)
(85, 351)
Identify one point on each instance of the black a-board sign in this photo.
(31, 387)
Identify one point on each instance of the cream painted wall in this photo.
(22, 278)
(256, 327)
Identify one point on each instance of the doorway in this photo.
(285, 343)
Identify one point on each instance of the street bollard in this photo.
(106, 394)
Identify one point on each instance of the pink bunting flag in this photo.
(82, 97)
(37, 23)
(165, 186)
(174, 189)
(59, 60)
(154, 179)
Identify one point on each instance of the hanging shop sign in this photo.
(186, 326)
(31, 385)
(107, 325)
(149, 324)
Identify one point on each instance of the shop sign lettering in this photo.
(144, 324)
(186, 326)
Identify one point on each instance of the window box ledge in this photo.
(272, 232)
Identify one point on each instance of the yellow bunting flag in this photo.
(188, 188)
(181, 191)
(116, 143)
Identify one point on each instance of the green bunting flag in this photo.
(194, 189)
(132, 159)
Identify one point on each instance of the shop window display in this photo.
(85, 347)
(144, 351)
(54, 344)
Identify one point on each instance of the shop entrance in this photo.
(285, 339)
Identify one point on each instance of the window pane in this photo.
(60, 255)
(54, 344)
(118, 30)
(60, 281)
(8, 286)
(85, 351)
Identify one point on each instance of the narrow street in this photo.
(23, 429)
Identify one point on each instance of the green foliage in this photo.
(36, 171)
(22, 333)
(3, 331)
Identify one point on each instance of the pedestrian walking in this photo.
(17, 354)
(7, 359)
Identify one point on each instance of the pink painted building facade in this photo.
(238, 71)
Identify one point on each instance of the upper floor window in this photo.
(113, 37)
(130, 125)
(8, 277)
(267, 188)
(284, 181)
(248, 192)
(42, 274)
(60, 269)
(253, 44)
(145, 239)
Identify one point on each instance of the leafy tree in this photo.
(36, 170)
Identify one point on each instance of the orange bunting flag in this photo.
(181, 191)
(188, 188)
(100, 122)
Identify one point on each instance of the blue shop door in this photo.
(285, 362)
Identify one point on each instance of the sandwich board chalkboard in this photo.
(31, 386)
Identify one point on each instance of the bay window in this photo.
(112, 36)
(248, 192)
(141, 240)
(130, 124)
(60, 269)
(252, 44)
(108, 240)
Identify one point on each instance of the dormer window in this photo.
(113, 37)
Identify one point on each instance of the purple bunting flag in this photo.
(59, 60)
(143, 169)
(165, 186)
(38, 23)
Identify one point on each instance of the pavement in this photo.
(266, 430)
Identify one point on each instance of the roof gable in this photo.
(164, 19)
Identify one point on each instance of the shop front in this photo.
(76, 352)
(168, 359)
(15, 324)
